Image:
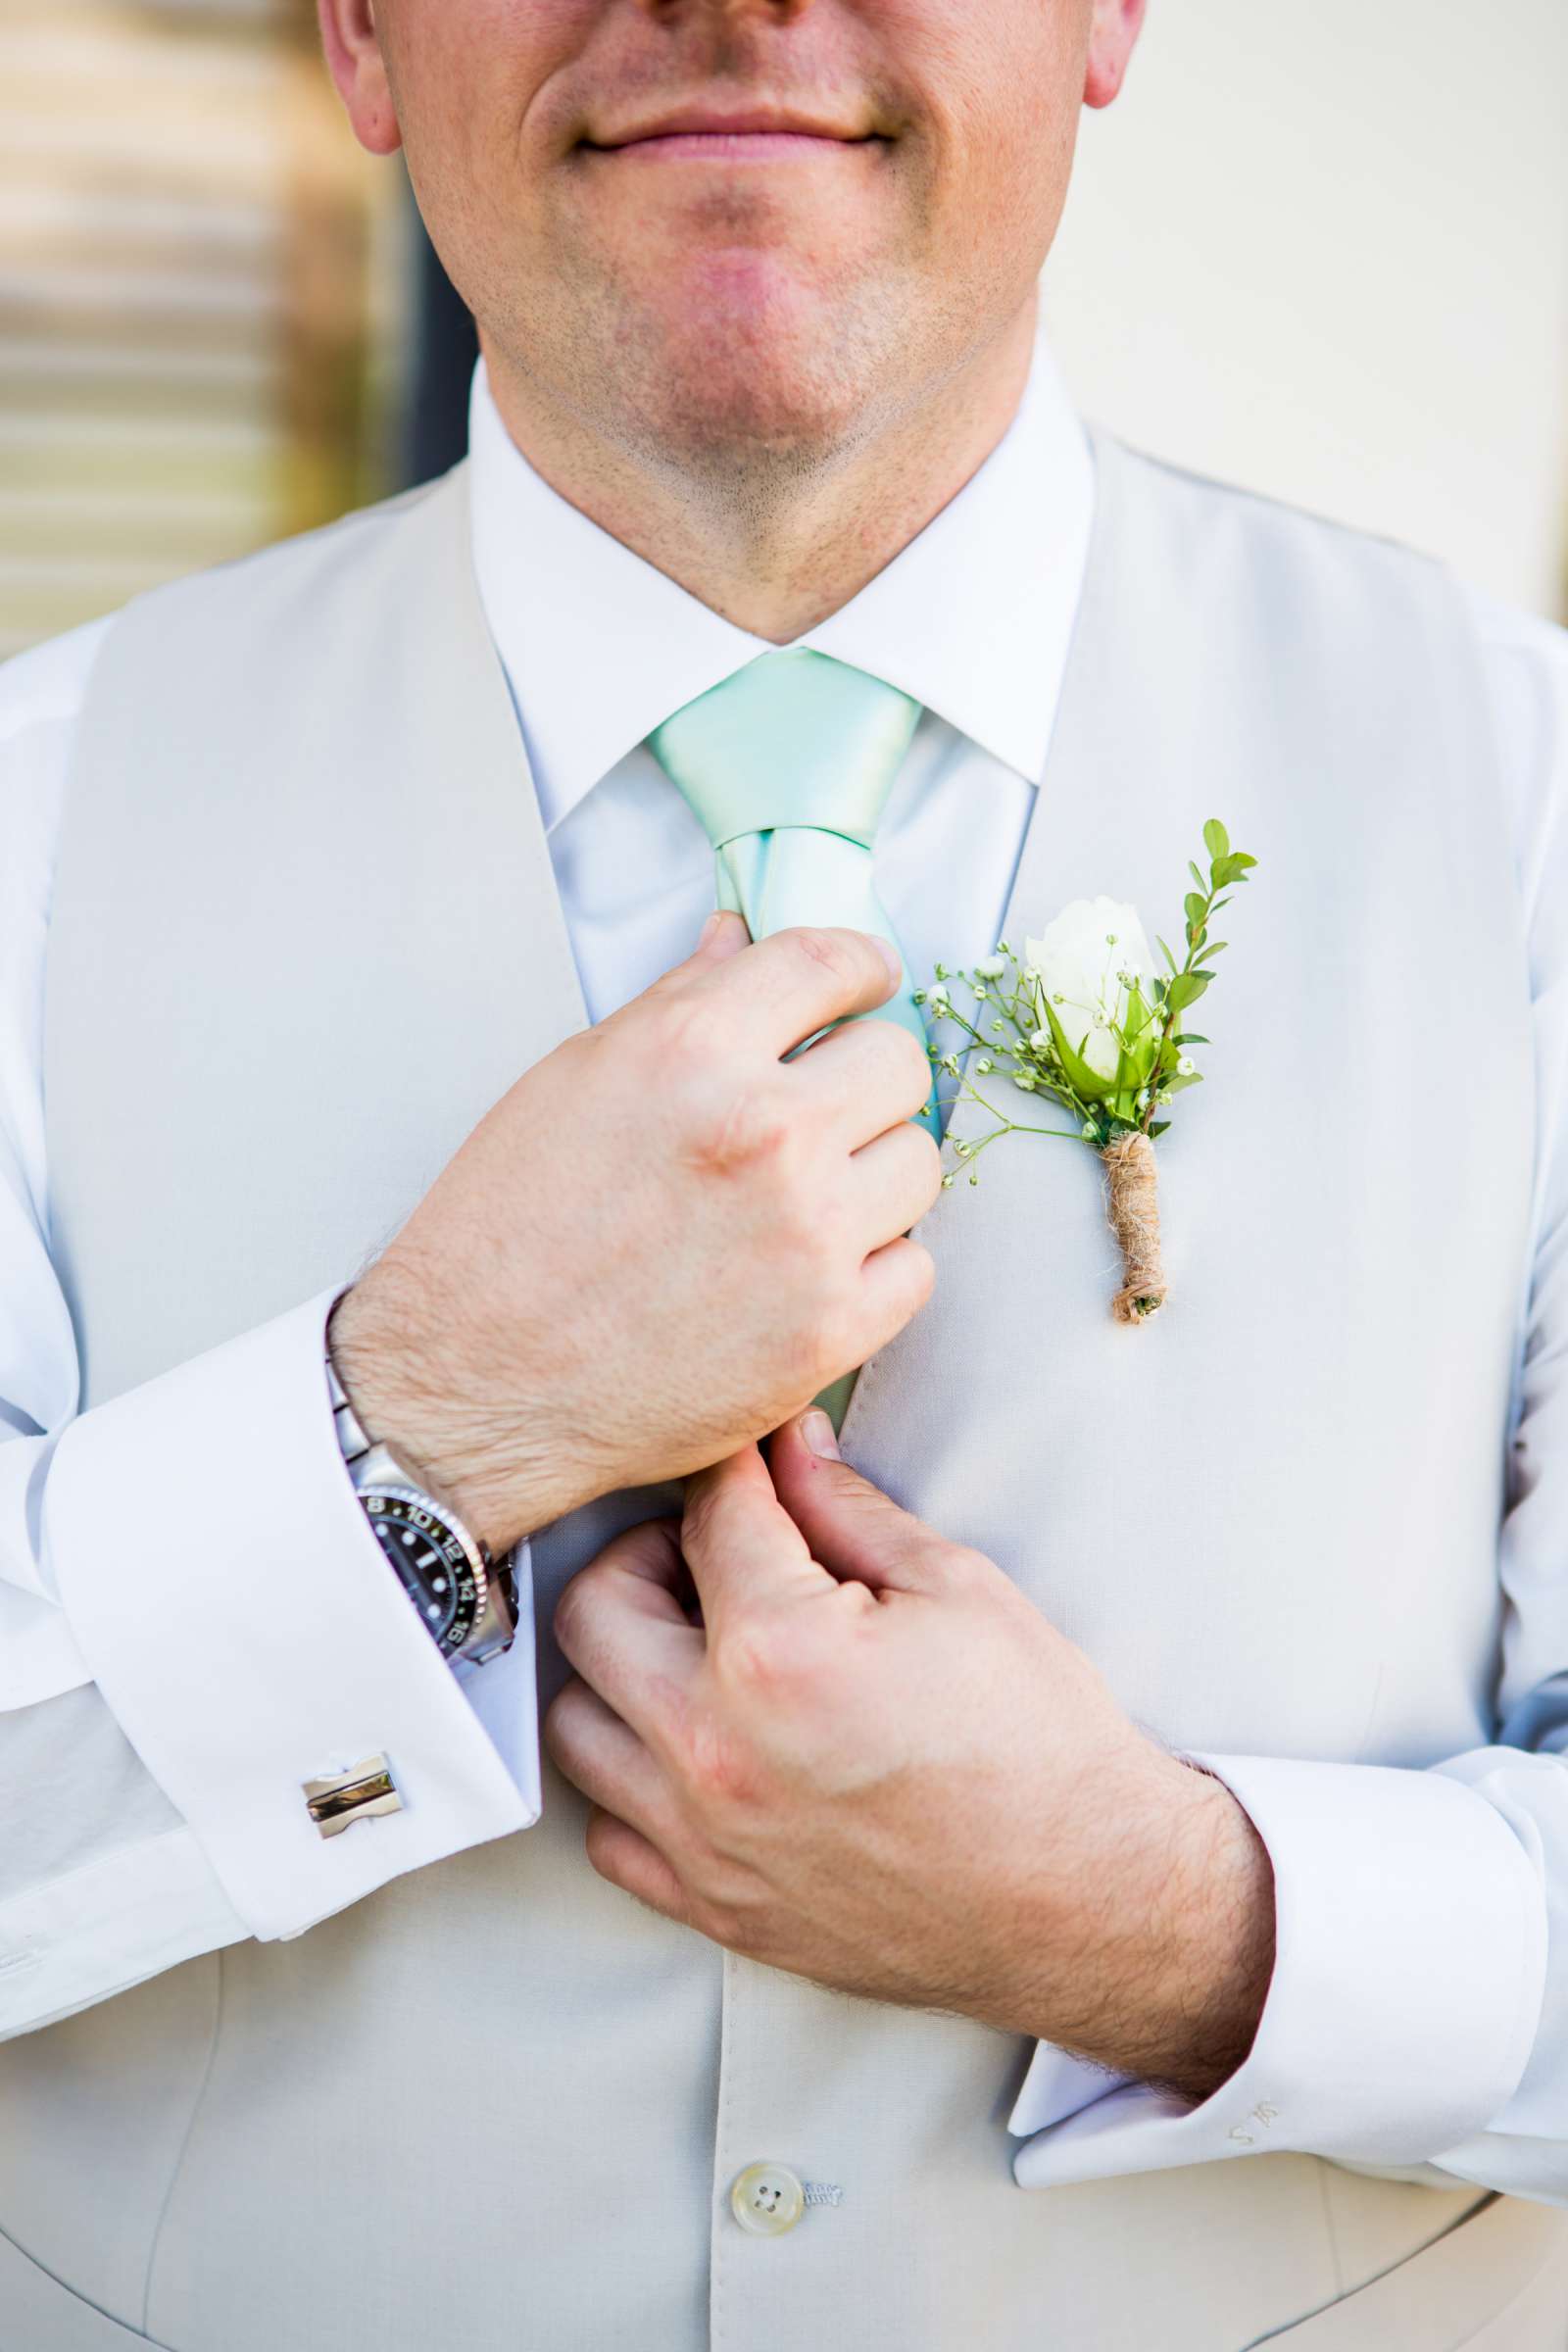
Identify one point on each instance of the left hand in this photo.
(875, 1763)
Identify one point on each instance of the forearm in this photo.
(1414, 2013)
(1173, 1962)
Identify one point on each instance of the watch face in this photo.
(433, 1564)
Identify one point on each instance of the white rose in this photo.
(1077, 960)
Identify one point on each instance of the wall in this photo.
(185, 296)
(1321, 248)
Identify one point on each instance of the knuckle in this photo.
(803, 1360)
(558, 1716)
(740, 1127)
(762, 1661)
(602, 1842)
(928, 1155)
(838, 1340)
(922, 1272)
(686, 1036)
(832, 952)
(914, 1058)
(575, 1610)
(950, 1564)
(805, 1226)
(749, 1659)
(719, 1764)
(740, 1924)
(971, 1567)
(910, 1279)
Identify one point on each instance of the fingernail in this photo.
(817, 1431)
(709, 927)
(890, 955)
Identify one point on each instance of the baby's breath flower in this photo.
(1184, 1066)
(991, 967)
(1041, 1041)
(1023, 1080)
(985, 1065)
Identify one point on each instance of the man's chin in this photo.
(731, 357)
(711, 416)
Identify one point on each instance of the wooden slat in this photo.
(183, 240)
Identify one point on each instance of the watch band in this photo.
(351, 1437)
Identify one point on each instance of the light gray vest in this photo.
(306, 933)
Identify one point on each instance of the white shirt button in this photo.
(767, 2199)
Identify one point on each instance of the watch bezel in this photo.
(459, 1549)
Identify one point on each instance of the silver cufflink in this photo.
(340, 1798)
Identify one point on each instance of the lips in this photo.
(719, 131)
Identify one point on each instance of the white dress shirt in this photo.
(973, 619)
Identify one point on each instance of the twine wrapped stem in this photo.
(1133, 1208)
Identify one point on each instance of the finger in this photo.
(651, 1552)
(896, 1281)
(722, 936)
(895, 1178)
(862, 1077)
(744, 1550)
(854, 1529)
(625, 1632)
(604, 1757)
(797, 981)
(625, 1857)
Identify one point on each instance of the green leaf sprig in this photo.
(1023, 1034)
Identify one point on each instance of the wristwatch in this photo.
(468, 1603)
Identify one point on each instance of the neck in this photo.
(775, 553)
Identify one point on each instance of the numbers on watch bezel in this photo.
(443, 1575)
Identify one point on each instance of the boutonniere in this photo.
(1083, 1018)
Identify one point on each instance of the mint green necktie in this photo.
(788, 765)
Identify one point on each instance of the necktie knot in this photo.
(794, 739)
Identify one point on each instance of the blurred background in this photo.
(1321, 251)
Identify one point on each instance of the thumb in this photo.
(854, 1530)
(722, 936)
(739, 1544)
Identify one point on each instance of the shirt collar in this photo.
(972, 618)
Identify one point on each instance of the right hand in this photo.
(659, 1244)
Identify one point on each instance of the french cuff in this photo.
(245, 1630)
(112, 1922)
(1409, 1971)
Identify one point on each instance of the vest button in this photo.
(767, 2199)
